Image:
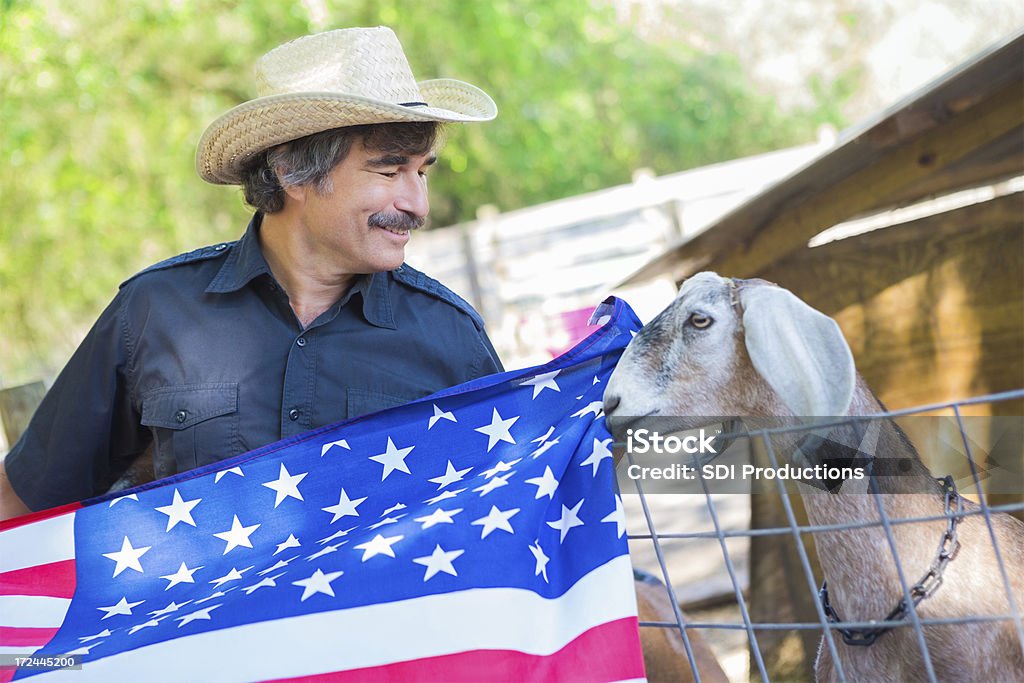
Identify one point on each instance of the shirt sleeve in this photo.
(86, 431)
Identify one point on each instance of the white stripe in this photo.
(32, 611)
(42, 542)
(485, 618)
(19, 651)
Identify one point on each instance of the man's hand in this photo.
(10, 504)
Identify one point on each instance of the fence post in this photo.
(17, 404)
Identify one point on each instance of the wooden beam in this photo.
(798, 221)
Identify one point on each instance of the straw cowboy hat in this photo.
(345, 77)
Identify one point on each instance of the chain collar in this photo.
(926, 585)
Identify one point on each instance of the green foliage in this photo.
(102, 105)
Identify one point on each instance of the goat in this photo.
(665, 657)
(754, 351)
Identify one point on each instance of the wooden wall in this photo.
(933, 309)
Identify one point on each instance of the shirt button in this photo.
(294, 414)
(220, 247)
(301, 341)
(181, 416)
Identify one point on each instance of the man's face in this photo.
(363, 224)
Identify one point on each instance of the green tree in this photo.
(102, 105)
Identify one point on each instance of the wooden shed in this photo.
(933, 304)
(909, 231)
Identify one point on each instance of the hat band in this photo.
(413, 104)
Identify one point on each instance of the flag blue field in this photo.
(472, 535)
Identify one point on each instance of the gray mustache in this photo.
(395, 221)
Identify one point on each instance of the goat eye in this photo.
(700, 321)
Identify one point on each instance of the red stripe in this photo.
(38, 516)
(610, 652)
(54, 580)
(11, 636)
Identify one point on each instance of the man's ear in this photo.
(296, 192)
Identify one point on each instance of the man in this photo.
(311, 317)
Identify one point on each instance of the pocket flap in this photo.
(183, 406)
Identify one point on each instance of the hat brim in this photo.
(251, 127)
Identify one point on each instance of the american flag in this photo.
(472, 535)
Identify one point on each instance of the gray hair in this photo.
(310, 160)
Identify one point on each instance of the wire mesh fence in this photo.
(731, 545)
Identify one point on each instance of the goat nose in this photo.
(611, 402)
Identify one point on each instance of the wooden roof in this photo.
(966, 129)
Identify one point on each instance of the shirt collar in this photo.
(245, 262)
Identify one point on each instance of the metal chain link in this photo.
(926, 585)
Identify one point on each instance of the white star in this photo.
(542, 560)
(394, 508)
(440, 415)
(603, 320)
(547, 435)
(122, 607)
(542, 382)
(336, 534)
(568, 520)
(502, 466)
(290, 542)
(173, 607)
(597, 380)
(443, 496)
(183, 575)
(269, 582)
(496, 519)
(127, 557)
(286, 485)
(130, 496)
(438, 516)
(617, 517)
(341, 443)
(326, 550)
(592, 407)
(385, 522)
(600, 452)
(237, 535)
(102, 634)
(438, 561)
(492, 484)
(378, 546)
(346, 507)
(318, 582)
(139, 627)
(83, 650)
(545, 484)
(498, 430)
(203, 614)
(392, 459)
(233, 470)
(218, 594)
(279, 565)
(232, 575)
(450, 476)
(544, 448)
(179, 511)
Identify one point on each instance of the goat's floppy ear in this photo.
(801, 352)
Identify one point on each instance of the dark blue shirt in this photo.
(203, 357)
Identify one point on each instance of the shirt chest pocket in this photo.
(192, 425)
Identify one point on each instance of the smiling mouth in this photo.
(396, 231)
